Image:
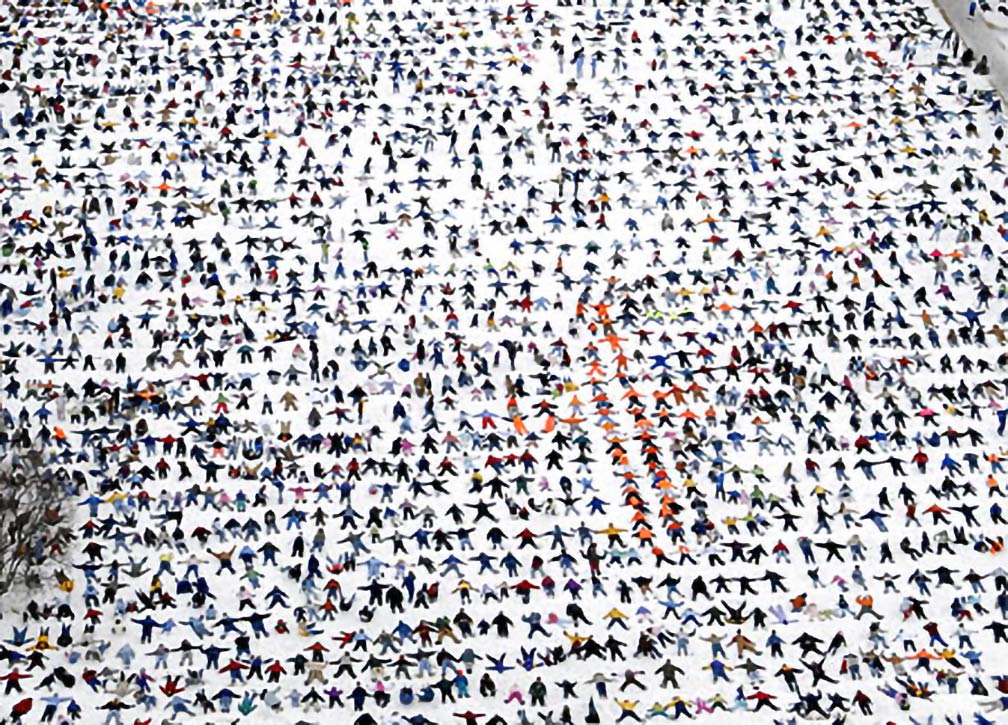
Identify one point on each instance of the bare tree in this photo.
(32, 499)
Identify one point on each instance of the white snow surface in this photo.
(910, 117)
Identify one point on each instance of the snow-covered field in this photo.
(708, 233)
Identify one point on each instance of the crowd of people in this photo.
(503, 364)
